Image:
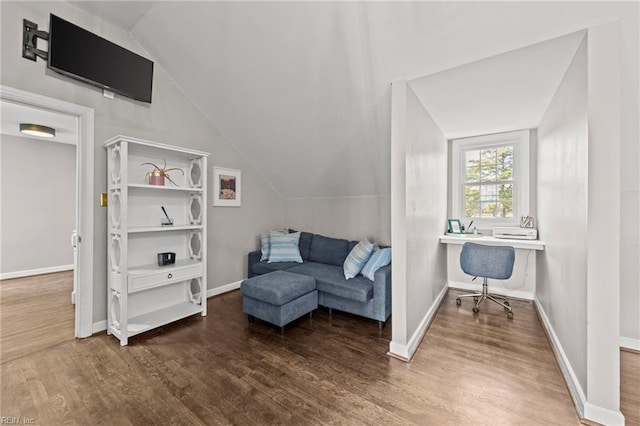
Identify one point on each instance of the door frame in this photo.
(84, 196)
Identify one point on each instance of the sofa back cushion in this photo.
(332, 251)
(305, 245)
(352, 244)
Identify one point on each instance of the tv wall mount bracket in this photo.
(30, 36)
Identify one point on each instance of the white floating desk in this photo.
(492, 241)
(522, 283)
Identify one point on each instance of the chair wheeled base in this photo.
(479, 297)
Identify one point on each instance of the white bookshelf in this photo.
(142, 295)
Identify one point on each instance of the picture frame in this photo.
(455, 227)
(227, 187)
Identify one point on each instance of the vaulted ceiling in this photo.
(302, 89)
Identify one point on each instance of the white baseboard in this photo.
(406, 352)
(629, 343)
(516, 294)
(577, 394)
(99, 326)
(32, 272)
(603, 416)
(223, 289)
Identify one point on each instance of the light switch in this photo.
(103, 200)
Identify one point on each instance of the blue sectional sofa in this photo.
(323, 259)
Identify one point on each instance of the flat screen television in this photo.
(80, 54)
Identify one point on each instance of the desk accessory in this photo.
(165, 222)
(454, 226)
(167, 258)
(526, 222)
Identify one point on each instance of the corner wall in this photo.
(561, 289)
(603, 260)
(171, 118)
(418, 216)
(579, 160)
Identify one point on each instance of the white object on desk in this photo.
(515, 233)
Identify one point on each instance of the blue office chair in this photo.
(495, 262)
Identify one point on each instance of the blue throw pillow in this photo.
(356, 260)
(284, 247)
(265, 243)
(377, 260)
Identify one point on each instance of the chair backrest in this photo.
(494, 262)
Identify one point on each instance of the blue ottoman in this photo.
(279, 297)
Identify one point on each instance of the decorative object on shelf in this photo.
(165, 221)
(526, 222)
(226, 187)
(168, 258)
(158, 174)
(455, 227)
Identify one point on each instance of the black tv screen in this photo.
(78, 53)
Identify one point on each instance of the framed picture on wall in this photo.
(227, 189)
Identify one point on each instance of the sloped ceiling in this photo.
(302, 89)
(502, 93)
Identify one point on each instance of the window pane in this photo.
(472, 162)
(488, 193)
(505, 193)
(488, 165)
(504, 163)
(489, 201)
(488, 209)
(472, 201)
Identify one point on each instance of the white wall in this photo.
(37, 199)
(579, 216)
(603, 215)
(352, 218)
(171, 119)
(419, 208)
(562, 213)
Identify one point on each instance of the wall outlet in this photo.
(103, 200)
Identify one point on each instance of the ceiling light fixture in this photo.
(37, 130)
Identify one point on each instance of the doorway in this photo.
(83, 270)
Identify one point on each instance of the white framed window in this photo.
(490, 179)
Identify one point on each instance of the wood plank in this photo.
(220, 369)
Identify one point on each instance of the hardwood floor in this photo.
(36, 314)
(630, 386)
(481, 370)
